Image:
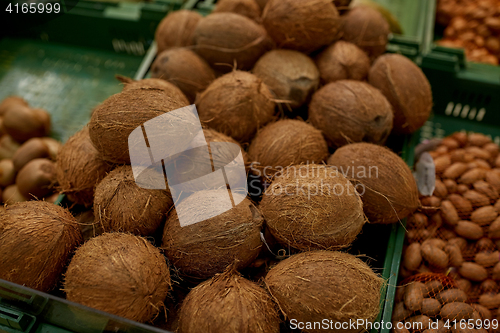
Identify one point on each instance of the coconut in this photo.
(37, 178)
(23, 123)
(185, 69)
(176, 29)
(79, 168)
(121, 274)
(390, 191)
(121, 205)
(312, 207)
(226, 40)
(367, 28)
(311, 286)
(291, 75)
(343, 61)
(114, 120)
(10, 102)
(236, 104)
(154, 83)
(351, 111)
(242, 306)
(208, 247)
(248, 8)
(303, 25)
(288, 142)
(407, 89)
(35, 243)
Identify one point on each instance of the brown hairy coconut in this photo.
(206, 248)
(291, 75)
(288, 142)
(36, 240)
(302, 25)
(176, 29)
(351, 111)
(390, 191)
(132, 276)
(114, 120)
(407, 89)
(228, 39)
(343, 61)
(367, 28)
(37, 178)
(311, 286)
(242, 306)
(185, 69)
(79, 168)
(154, 83)
(11, 101)
(248, 8)
(121, 205)
(236, 104)
(312, 207)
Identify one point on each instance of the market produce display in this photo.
(473, 25)
(27, 154)
(455, 236)
(305, 90)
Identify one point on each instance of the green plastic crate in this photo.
(122, 27)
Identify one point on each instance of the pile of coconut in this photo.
(307, 93)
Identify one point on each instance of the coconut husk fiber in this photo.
(176, 29)
(312, 207)
(311, 286)
(36, 240)
(304, 25)
(288, 142)
(185, 69)
(406, 87)
(154, 83)
(228, 303)
(367, 28)
(79, 168)
(349, 111)
(343, 61)
(120, 274)
(226, 40)
(391, 193)
(114, 119)
(121, 205)
(236, 104)
(248, 8)
(292, 76)
(206, 248)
